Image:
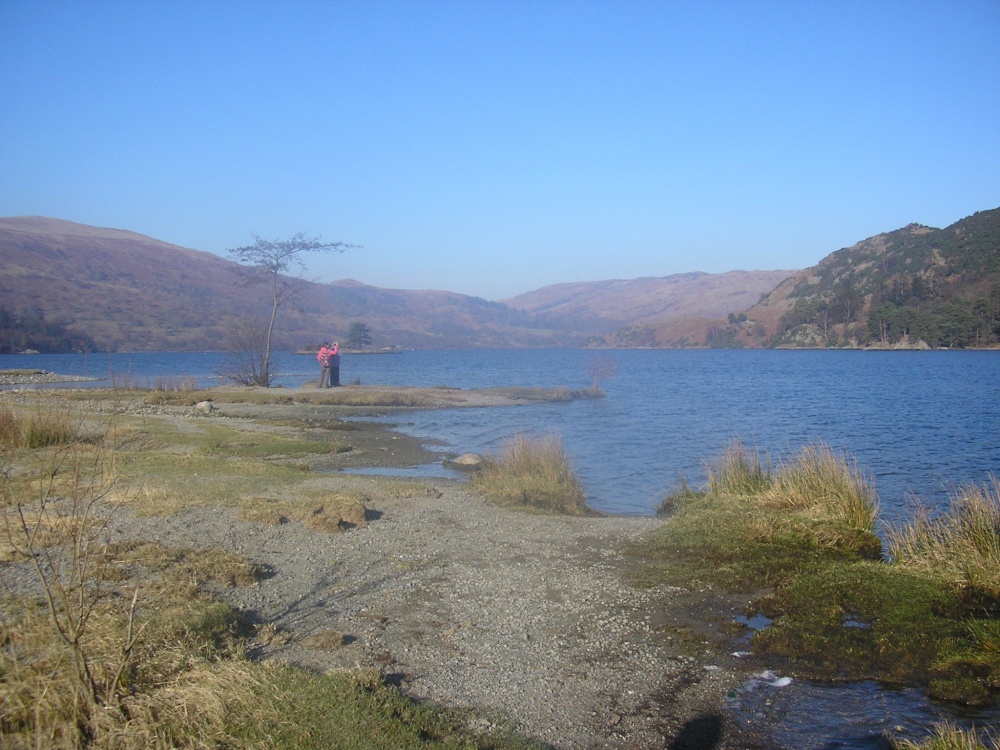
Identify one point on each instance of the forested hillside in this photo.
(914, 287)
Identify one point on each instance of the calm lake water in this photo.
(919, 424)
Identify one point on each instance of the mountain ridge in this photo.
(913, 287)
(114, 289)
(76, 286)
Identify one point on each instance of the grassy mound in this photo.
(804, 533)
(533, 474)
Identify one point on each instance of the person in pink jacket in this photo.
(323, 356)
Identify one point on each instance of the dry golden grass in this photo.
(533, 474)
(827, 484)
(179, 690)
(962, 546)
(738, 472)
(325, 640)
(818, 488)
(192, 567)
(47, 424)
(333, 513)
(947, 736)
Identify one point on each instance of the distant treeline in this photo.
(938, 286)
(914, 309)
(30, 330)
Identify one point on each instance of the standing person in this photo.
(323, 356)
(334, 365)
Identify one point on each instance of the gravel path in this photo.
(524, 618)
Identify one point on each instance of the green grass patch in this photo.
(804, 532)
(947, 736)
(532, 474)
(861, 620)
(239, 444)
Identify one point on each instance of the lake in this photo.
(919, 424)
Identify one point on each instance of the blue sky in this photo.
(491, 148)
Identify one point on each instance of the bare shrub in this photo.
(57, 523)
(247, 359)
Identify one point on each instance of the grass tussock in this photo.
(960, 547)
(46, 426)
(802, 533)
(533, 474)
(334, 513)
(754, 525)
(738, 472)
(947, 736)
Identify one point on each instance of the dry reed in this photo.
(961, 546)
(532, 473)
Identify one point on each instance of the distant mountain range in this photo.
(66, 286)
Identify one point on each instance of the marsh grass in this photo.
(960, 547)
(947, 736)
(46, 425)
(860, 620)
(532, 474)
(755, 526)
(804, 531)
(738, 472)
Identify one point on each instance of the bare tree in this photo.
(600, 368)
(246, 350)
(60, 524)
(267, 263)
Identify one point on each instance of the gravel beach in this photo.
(523, 619)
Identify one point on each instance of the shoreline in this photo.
(525, 618)
(522, 620)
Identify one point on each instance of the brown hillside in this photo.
(129, 292)
(132, 292)
(654, 300)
